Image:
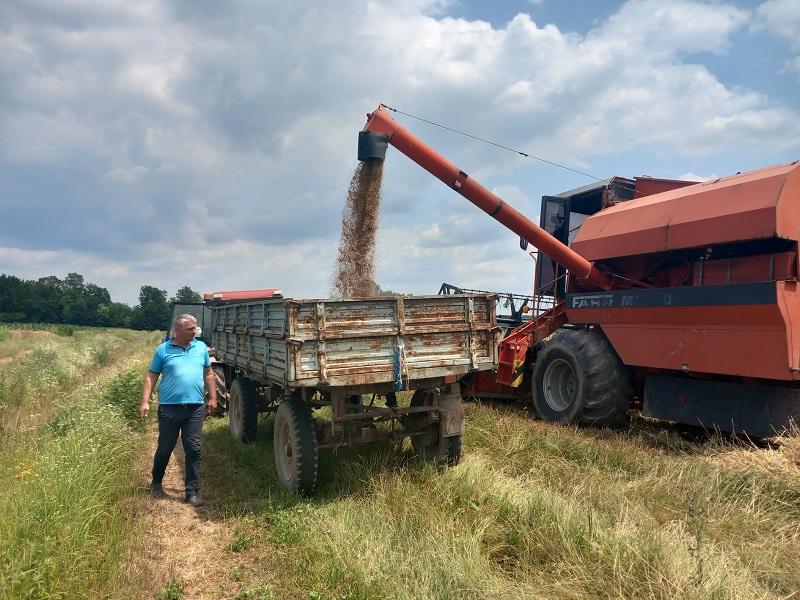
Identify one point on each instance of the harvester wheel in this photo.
(295, 446)
(243, 409)
(578, 379)
(222, 393)
(427, 445)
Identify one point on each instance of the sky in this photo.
(211, 143)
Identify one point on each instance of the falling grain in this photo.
(355, 264)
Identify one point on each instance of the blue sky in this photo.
(210, 144)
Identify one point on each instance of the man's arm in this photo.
(147, 389)
(211, 386)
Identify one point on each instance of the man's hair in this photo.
(180, 320)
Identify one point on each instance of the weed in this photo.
(290, 526)
(696, 519)
(65, 458)
(65, 330)
(6, 396)
(172, 591)
(102, 356)
(241, 541)
(248, 593)
(124, 392)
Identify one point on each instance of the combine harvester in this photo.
(681, 298)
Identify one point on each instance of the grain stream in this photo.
(355, 264)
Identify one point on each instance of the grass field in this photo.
(532, 511)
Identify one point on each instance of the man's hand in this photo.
(147, 389)
(211, 390)
(212, 406)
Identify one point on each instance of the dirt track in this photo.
(182, 542)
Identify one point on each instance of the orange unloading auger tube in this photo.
(381, 130)
(388, 131)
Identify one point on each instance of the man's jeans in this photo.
(186, 419)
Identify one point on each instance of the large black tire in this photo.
(243, 409)
(295, 446)
(578, 379)
(427, 445)
(222, 393)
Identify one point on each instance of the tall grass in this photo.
(60, 525)
(533, 511)
(66, 456)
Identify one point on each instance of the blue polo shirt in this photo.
(181, 372)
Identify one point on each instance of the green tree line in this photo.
(73, 301)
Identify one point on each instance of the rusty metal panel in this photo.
(356, 342)
(346, 318)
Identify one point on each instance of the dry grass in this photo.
(533, 510)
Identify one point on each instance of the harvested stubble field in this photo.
(532, 511)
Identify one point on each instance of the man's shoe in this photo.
(195, 500)
(156, 491)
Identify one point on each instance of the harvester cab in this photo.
(201, 310)
(563, 214)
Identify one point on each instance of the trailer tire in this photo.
(578, 379)
(295, 446)
(427, 445)
(454, 444)
(222, 392)
(243, 410)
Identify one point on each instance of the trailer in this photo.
(292, 357)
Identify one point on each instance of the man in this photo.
(185, 367)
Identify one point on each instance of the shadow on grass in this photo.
(241, 479)
(673, 438)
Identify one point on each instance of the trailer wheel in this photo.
(222, 393)
(295, 446)
(578, 379)
(427, 445)
(243, 409)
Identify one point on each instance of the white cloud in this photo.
(661, 30)
(694, 177)
(792, 66)
(125, 118)
(782, 17)
(128, 175)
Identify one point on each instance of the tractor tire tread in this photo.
(605, 380)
